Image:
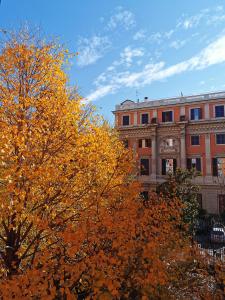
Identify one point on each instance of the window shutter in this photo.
(198, 164)
(163, 166)
(170, 116)
(148, 143)
(192, 114)
(163, 116)
(215, 168)
(200, 113)
(174, 165)
(140, 143)
(189, 163)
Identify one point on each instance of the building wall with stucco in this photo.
(172, 140)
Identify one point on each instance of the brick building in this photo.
(185, 132)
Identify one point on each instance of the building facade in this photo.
(185, 132)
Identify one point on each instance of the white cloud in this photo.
(156, 37)
(128, 54)
(101, 92)
(213, 54)
(139, 35)
(211, 16)
(123, 18)
(177, 44)
(92, 49)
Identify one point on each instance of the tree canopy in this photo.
(71, 222)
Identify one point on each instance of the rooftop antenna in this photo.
(137, 98)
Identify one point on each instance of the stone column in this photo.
(208, 155)
(207, 111)
(183, 149)
(135, 118)
(135, 145)
(154, 156)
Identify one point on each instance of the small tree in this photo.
(180, 185)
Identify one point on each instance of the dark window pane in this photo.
(219, 111)
(198, 164)
(140, 143)
(215, 168)
(163, 166)
(174, 165)
(144, 195)
(126, 143)
(195, 140)
(196, 113)
(189, 165)
(144, 119)
(148, 143)
(126, 120)
(144, 166)
(167, 116)
(220, 138)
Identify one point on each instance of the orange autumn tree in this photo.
(71, 222)
(57, 161)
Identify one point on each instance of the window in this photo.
(144, 143)
(144, 166)
(167, 116)
(219, 111)
(194, 163)
(196, 114)
(195, 141)
(218, 166)
(169, 166)
(144, 119)
(221, 203)
(220, 138)
(126, 120)
(126, 143)
(144, 195)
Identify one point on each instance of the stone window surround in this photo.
(190, 108)
(123, 115)
(214, 110)
(216, 138)
(143, 113)
(168, 110)
(199, 140)
(149, 164)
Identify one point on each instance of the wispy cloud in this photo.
(92, 49)
(122, 18)
(211, 16)
(139, 35)
(177, 44)
(101, 92)
(129, 54)
(213, 54)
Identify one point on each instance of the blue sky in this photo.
(133, 48)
